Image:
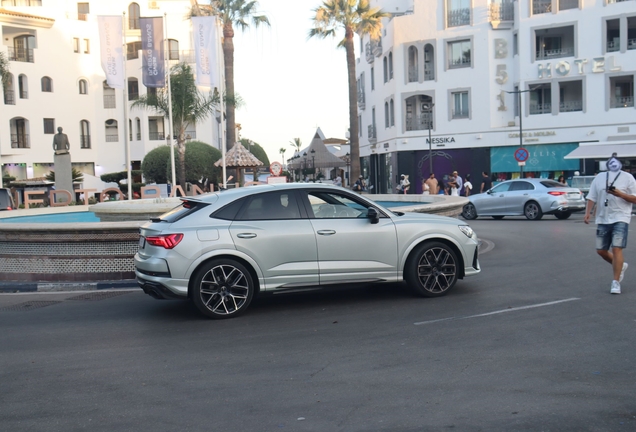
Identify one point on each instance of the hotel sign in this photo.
(563, 68)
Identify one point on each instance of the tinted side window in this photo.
(503, 187)
(330, 205)
(521, 185)
(271, 206)
(186, 208)
(229, 211)
(552, 184)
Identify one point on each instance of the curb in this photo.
(36, 287)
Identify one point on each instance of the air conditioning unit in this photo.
(153, 5)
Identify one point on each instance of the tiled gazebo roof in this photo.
(239, 157)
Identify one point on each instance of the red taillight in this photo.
(168, 241)
(557, 193)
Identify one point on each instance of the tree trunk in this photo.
(228, 58)
(181, 160)
(354, 138)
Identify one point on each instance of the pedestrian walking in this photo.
(459, 182)
(433, 185)
(614, 192)
(468, 186)
(404, 185)
(486, 183)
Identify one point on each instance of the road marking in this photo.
(499, 311)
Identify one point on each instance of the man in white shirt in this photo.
(613, 192)
(459, 181)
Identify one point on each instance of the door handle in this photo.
(326, 232)
(246, 235)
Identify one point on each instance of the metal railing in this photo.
(413, 74)
(373, 49)
(459, 62)
(460, 114)
(133, 96)
(545, 108)
(622, 102)
(631, 44)
(615, 1)
(9, 97)
(613, 46)
(541, 6)
(155, 136)
(501, 11)
(571, 106)
(555, 53)
(138, 136)
(20, 141)
(420, 122)
(112, 137)
(458, 17)
(190, 135)
(133, 24)
(371, 132)
(85, 141)
(429, 75)
(21, 2)
(568, 4)
(24, 94)
(21, 54)
(110, 101)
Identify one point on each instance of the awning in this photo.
(603, 150)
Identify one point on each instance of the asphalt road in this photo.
(533, 343)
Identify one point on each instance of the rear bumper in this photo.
(158, 290)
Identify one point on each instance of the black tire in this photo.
(469, 212)
(432, 269)
(498, 217)
(532, 210)
(222, 289)
(563, 215)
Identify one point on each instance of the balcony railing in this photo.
(24, 94)
(21, 2)
(460, 114)
(373, 49)
(459, 62)
(571, 106)
(371, 132)
(420, 122)
(545, 108)
(622, 102)
(133, 96)
(155, 136)
(413, 75)
(85, 141)
(615, 1)
(21, 54)
(138, 136)
(190, 135)
(541, 6)
(613, 45)
(9, 97)
(555, 53)
(109, 101)
(429, 75)
(110, 137)
(20, 141)
(458, 17)
(501, 12)
(631, 44)
(568, 4)
(133, 24)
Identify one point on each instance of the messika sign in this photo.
(563, 68)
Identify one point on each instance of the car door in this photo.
(517, 196)
(493, 202)
(270, 229)
(350, 247)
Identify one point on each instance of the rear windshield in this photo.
(186, 208)
(553, 184)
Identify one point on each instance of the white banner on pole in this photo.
(111, 51)
(205, 49)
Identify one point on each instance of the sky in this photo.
(290, 85)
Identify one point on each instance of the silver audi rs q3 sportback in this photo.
(223, 248)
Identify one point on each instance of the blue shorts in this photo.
(614, 235)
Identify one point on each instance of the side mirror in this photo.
(372, 214)
(489, 191)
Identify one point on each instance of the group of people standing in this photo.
(454, 185)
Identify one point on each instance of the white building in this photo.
(57, 81)
(573, 63)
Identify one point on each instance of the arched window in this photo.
(138, 122)
(112, 133)
(47, 84)
(130, 131)
(173, 49)
(413, 71)
(85, 134)
(392, 113)
(9, 90)
(390, 66)
(19, 127)
(23, 48)
(429, 63)
(386, 115)
(133, 89)
(386, 69)
(133, 16)
(110, 100)
(23, 86)
(83, 87)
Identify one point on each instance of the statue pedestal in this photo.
(63, 173)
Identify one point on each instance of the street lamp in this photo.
(313, 162)
(518, 93)
(304, 172)
(428, 108)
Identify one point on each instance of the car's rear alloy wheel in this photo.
(532, 210)
(432, 271)
(469, 212)
(222, 289)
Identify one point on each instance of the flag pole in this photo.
(127, 143)
(170, 126)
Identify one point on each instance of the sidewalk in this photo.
(18, 287)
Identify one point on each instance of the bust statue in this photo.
(60, 142)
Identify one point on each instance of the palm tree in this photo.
(231, 13)
(297, 144)
(282, 151)
(4, 68)
(189, 106)
(352, 16)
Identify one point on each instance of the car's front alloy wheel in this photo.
(469, 212)
(432, 270)
(532, 211)
(222, 289)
